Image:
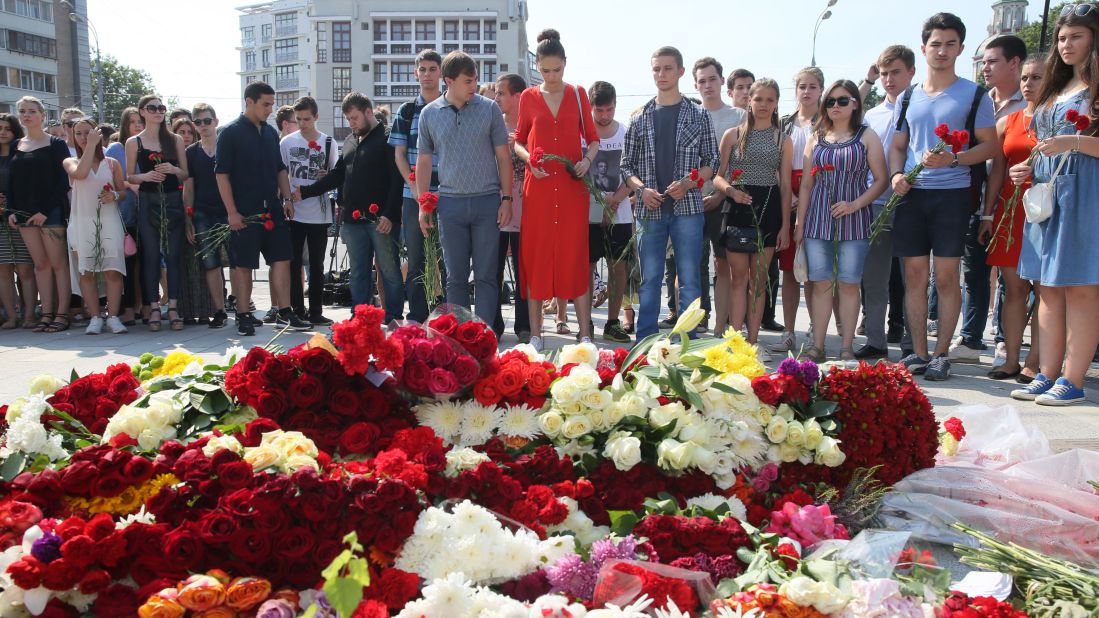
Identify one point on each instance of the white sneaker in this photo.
(961, 353)
(787, 344)
(95, 326)
(585, 340)
(932, 328)
(116, 325)
(1001, 355)
(536, 343)
(763, 355)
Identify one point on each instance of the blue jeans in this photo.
(975, 287)
(414, 247)
(686, 234)
(364, 242)
(468, 233)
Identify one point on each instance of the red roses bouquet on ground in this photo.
(434, 364)
(622, 582)
(678, 536)
(93, 399)
(465, 328)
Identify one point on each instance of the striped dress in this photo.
(845, 184)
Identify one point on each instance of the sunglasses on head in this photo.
(203, 121)
(831, 102)
(71, 123)
(1078, 10)
(155, 109)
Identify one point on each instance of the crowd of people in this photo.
(901, 220)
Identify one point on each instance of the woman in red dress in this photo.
(553, 262)
(1006, 238)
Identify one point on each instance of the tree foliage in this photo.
(1032, 32)
(873, 98)
(123, 86)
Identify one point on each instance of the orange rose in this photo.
(247, 592)
(160, 607)
(288, 595)
(220, 575)
(221, 611)
(201, 592)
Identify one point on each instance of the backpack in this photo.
(978, 173)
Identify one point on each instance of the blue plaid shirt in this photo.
(695, 148)
(406, 132)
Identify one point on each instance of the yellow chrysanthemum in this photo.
(175, 362)
(747, 365)
(129, 501)
(718, 357)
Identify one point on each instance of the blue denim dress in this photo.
(1061, 251)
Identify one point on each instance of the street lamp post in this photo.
(823, 16)
(74, 18)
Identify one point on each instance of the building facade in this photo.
(329, 48)
(45, 54)
(1008, 17)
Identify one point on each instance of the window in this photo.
(31, 80)
(285, 98)
(266, 33)
(266, 78)
(503, 25)
(449, 47)
(471, 30)
(341, 82)
(490, 48)
(382, 71)
(381, 30)
(3, 76)
(286, 76)
(490, 30)
(248, 35)
(403, 72)
(31, 44)
(341, 41)
(425, 30)
(37, 9)
(286, 50)
(340, 129)
(266, 56)
(450, 30)
(488, 75)
(250, 61)
(322, 42)
(249, 79)
(286, 24)
(400, 31)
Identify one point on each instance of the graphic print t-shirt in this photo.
(303, 159)
(606, 172)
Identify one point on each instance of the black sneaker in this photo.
(613, 331)
(772, 326)
(669, 322)
(288, 319)
(231, 304)
(255, 321)
(895, 333)
(272, 313)
(245, 327)
(915, 364)
(869, 352)
(938, 369)
(219, 319)
(319, 320)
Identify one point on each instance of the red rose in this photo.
(442, 352)
(271, 403)
(465, 370)
(356, 214)
(137, 470)
(317, 361)
(443, 382)
(109, 485)
(307, 391)
(344, 402)
(254, 430)
(251, 546)
(511, 379)
(116, 600)
(183, 547)
(767, 389)
(373, 209)
(468, 333)
(486, 392)
(269, 225)
(417, 376)
(94, 581)
(445, 324)
(538, 382)
(359, 438)
(78, 477)
(217, 527)
(235, 475)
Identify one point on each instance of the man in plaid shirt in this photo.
(667, 139)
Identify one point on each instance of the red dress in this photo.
(1018, 142)
(553, 235)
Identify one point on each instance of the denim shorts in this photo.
(821, 255)
(203, 222)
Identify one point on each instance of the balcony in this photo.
(381, 91)
(265, 39)
(286, 83)
(404, 91)
(250, 66)
(341, 55)
(287, 56)
(248, 42)
(291, 30)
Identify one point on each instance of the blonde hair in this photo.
(749, 122)
(813, 72)
(29, 99)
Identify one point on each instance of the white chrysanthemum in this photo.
(750, 448)
(711, 502)
(232, 355)
(140, 517)
(633, 610)
(479, 423)
(671, 611)
(556, 606)
(443, 417)
(451, 596)
(35, 405)
(44, 384)
(520, 422)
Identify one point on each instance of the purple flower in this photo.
(606, 549)
(725, 567)
(275, 608)
(47, 548)
(573, 575)
(790, 367)
(810, 372)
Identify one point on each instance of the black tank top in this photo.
(146, 163)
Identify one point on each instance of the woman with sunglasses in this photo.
(195, 304)
(37, 198)
(763, 154)
(1060, 252)
(14, 257)
(833, 212)
(130, 124)
(156, 161)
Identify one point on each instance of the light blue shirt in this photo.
(464, 141)
(950, 107)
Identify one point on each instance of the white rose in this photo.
(624, 450)
(44, 384)
(296, 462)
(585, 378)
(703, 459)
(813, 434)
(599, 420)
(149, 439)
(571, 409)
(795, 433)
(262, 457)
(580, 354)
(788, 453)
(576, 426)
(828, 599)
(785, 411)
(696, 431)
(764, 414)
(597, 400)
(659, 417)
(632, 405)
(551, 423)
(220, 443)
(774, 455)
(829, 453)
(663, 352)
(800, 590)
(615, 413)
(674, 455)
(776, 429)
(564, 391)
(461, 459)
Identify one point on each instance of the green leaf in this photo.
(641, 349)
(829, 425)
(623, 522)
(821, 408)
(218, 402)
(206, 388)
(725, 588)
(358, 571)
(675, 382)
(312, 611)
(725, 388)
(333, 569)
(74, 376)
(343, 594)
(12, 466)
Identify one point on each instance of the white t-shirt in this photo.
(723, 119)
(303, 161)
(606, 171)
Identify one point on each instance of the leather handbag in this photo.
(1038, 199)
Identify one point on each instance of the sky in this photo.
(195, 55)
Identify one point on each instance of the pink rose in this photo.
(443, 382)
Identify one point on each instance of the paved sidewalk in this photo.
(25, 355)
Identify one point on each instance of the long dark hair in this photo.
(124, 124)
(824, 123)
(94, 134)
(164, 135)
(16, 130)
(1058, 74)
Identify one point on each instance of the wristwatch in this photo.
(506, 198)
(987, 218)
(954, 163)
(868, 82)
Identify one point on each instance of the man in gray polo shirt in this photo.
(466, 133)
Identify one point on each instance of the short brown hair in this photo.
(516, 84)
(668, 50)
(203, 108)
(458, 63)
(894, 53)
(356, 100)
(285, 114)
(306, 104)
(702, 63)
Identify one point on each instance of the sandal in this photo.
(814, 354)
(10, 324)
(847, 354)
(154, 325)
(1001, 374)
(57, 325)
(175, 323)
(1024, 377)
(563, 328)
(43, 323)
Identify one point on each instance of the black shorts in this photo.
(767, 205)
(712, 231)
(932, 221)
(616, 238)
(246, 245)
(203, 222)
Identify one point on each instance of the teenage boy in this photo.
(1002, 71)
(403, 137)
(936, 211)
(667, 139)
(709, 82)
(368, 179)
(202, 200)
(179, 113)
(896, 66)
(508, 88)
(308, 155)
(737, 86)
(468, 134)
(609, 235)
(251, 177)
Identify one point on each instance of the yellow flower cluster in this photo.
(129, 501)
(175, 362)
(734, 355)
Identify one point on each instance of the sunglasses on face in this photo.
(155, 109)
(203, 121)
(1079, 10)
(831, 102)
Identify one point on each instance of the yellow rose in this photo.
(292, 443)
(551, 423)
(160, 607)
(262, 457)
(244, 593)
(15, 410)
(201, 593)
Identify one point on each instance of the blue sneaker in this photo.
(1063, 393)
(1038, 386)
(915, 364)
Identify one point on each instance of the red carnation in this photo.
(1082, 123)
(829, 167)
(953, 426)
(27, 573)
(695, 175)
(1072, 115)
(314, 145)
(269, 225)
(373, 208)
(357, 214)
(428, 202)
(942, 131)
(536, 157)
(737, 174)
